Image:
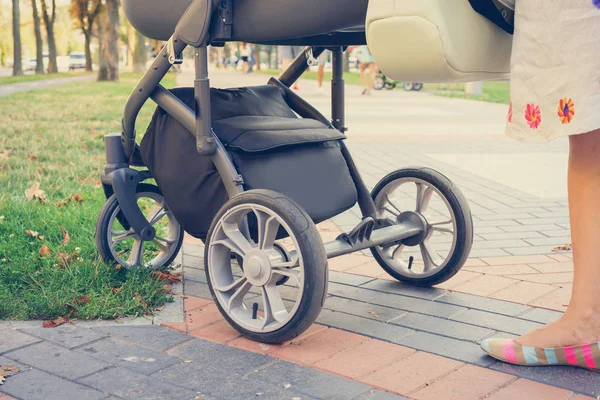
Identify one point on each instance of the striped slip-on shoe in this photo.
(507, 350)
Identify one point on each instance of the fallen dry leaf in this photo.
(118, 267)
(34, 192)
(63, 203)
(116, 289)
(5, 154)
(64, 259)
(81, 300)
(66, 237)
(141, 299)
(10, 367)
(32, 157)
(166, 276)
(2, 380)
(31, 233)
(77, 197)
(45, 251)
(374, 313)
(54, 323)
(567, 247)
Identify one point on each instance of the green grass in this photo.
(54, 137)
(7, 80)
(493, 91)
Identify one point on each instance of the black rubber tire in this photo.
(313, 254)
(379, 83)
(464, 224)
(417, 87)
(104, 219)
(390, 86)
(408, 86)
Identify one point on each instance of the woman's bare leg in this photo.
(581, 323)
(371, 77)
(363, 77)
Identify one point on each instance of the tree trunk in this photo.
(257, 56)
(16, 20)
(49, 22)
(88, 49)
(271, 50)
(109, 42)
(140, 55)
(39, 43)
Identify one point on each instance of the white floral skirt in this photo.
(555, 70)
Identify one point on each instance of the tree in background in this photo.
(140, 55)
(16, 21)
(39, 43)
(84, 12)
(108, 29)
(49, 19)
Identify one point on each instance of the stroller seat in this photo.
(255, 21)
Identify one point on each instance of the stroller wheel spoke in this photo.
(430, 258)
(398, 251)
(137, 252)
(123, 236)
(157, 214)
(273, 304)
(233, 286)
(235, 240)
(424, 194)
(237, 298)
(268, 226)
(295, 275)
(161, 246)
(444, 230)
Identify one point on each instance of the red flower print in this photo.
(533, 115)
(566, 110)
(510, 112)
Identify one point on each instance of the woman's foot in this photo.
(567, 331)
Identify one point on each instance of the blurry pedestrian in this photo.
(323, 60)
(367, 67)
(287, 54)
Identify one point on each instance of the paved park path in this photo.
(375, 339)
(6, 90)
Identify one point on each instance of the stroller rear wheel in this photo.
(251, 299)
(379, 82)
(118, 243)
(425, 197)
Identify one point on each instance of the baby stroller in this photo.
(250, 171)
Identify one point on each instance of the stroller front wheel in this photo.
(254, 227)
(118, 243)
(429, 199)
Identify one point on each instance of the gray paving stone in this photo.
(413, 304)
(384, 285)
(447, 347)
(379, 395)
(66, 336)
(153, 337)
(129, 384)
(560, 233)
(363, 326)
(192, 250)
(444, 327)
(39, 385)
(499, 223)
(497, 322)
(128, 355)
(510, 235)
(540, 315)
(482, 303)
(310, 381)
(348, 279)
(530, 251)
(476, 252)
(527, 228)
(544, 221)
(570, 378)
(12, 339)
(190, 261)
(283, 394)
(197, 289)
(502, 244)
(361, 309)
(351, 292)
(495, 217)
(57, 360)
(193, 274)
(218, 370)
(553, 241)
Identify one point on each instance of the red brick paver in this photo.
(220, 332)
(468, 383)
(318, 346)
(364, 359)
(528, 390)
(202, 317)
(411, 373)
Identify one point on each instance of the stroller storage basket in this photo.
(436, 41)
(270, 146)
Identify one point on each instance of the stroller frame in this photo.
(122, 150)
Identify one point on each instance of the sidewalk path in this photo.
(6, 90)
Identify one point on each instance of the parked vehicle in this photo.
(76, 61)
